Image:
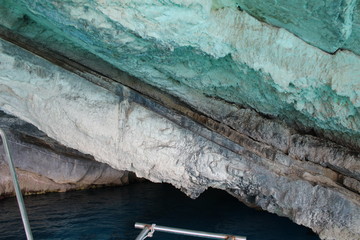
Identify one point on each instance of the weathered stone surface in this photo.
(264, 130)
(353, 42)
(308, 148)
(352, 184)
(219, 52)
(128, 136)
(325, 24)
(30, 183)
(45, 165)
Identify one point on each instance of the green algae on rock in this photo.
(325, 24)
(222, 53)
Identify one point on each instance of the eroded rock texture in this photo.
(260, 161)
(325, 24)
(44, 165)
(215, 49)
(255, 91)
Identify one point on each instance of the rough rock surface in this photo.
(353, 42)
(214, 49)
(325, 24)
(252, 162)
(44, 165)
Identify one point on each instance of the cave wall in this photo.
(218, 49)
(44, 165)
(117, 128)
(328, 25)
(234, 95)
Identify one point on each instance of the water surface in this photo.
(110, 213)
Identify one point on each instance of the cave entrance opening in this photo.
(110, 213)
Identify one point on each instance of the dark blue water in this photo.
(110, 213)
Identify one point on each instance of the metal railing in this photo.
(149, 229)
(19, 196)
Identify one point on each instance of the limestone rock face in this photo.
(353, 42)
(214, 49)
(262, 97)
(317, 187)
(43, 165)
(325, 24)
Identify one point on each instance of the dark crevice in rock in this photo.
(46, 142)
(30, 134)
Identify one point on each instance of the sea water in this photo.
(110, 213)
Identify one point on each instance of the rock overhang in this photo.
(315, 184)
(224, 64)
(218, 51)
